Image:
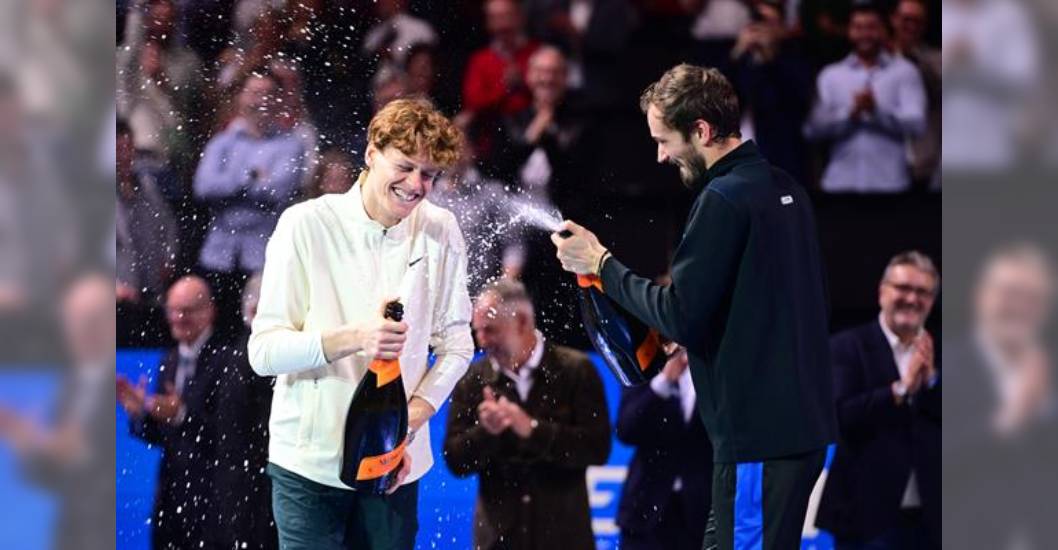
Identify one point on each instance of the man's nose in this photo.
(663, 156)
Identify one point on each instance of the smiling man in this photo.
(747, 300)
(883, 490)
(331, 265)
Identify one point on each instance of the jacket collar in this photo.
(744, 153)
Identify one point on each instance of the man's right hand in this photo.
(379, 338)
(133, 398)
(491, 414)
(676, 364)
(382, 338)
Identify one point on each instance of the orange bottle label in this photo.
(648, 349)
(387, 370)
(585, 281)
(377, 466)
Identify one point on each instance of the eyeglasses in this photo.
(918, 291)
(185, 311)
(407, 167)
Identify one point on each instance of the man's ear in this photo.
(702, 132)
(369, 155)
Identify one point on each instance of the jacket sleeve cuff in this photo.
(540, 439)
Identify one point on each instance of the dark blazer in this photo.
(185, 488)
(994, 486)
(880, 441)
(666, 447)
(83, 487)
(242, 488)
(532, 493)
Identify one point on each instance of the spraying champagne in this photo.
(631, 350)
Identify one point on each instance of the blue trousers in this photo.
(312, 516)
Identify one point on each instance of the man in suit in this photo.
(74, 458)
(177, 418)
(883, 490)
(1000, 393)
(528, 418)
(241, 485)
(669, 477)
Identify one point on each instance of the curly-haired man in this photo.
(329, 267)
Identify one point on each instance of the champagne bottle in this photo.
(376, 425)
(630, 349)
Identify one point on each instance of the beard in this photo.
(692, 169)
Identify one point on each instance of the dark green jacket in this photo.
(748, 300)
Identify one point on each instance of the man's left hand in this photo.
(521, 422)
(580, 252)
(923, 353)
(165, 407)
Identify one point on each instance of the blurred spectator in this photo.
(594, 35)
(335, 173)
(529, 419)
(177, 417)
(158, 78)
(248, 175)
(38, 240)
(991, 63)
(241, 488)
(494, 84)
(421, 70)
(544, 139)
(74, 457)
(718, 19)
(670, 476)
(388, 84)
(883, 489)
(910, 19)
(147, 247)
(390, 40)
(869, 105)
(326, 49)
(293, 117)
(717, 23)
(258, 37)
(544, 157)
(824, 26)
(1002, 391)
(774, 82)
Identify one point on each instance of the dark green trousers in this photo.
(761, 505)
(312, 516)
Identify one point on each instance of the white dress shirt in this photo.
(868, 153)
(902, 354)
(523, 377)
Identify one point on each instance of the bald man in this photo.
(527, 419)
(176, 417)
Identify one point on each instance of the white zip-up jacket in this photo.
(329, 264)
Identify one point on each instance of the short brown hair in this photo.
(511, 294)
(414, 126)
(917, 260)
(686, 93)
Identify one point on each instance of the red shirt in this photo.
(484, 88)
